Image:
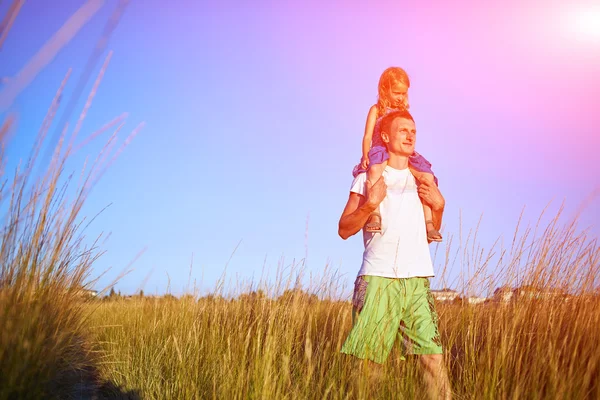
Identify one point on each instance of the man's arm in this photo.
(430, 194)
(358, 208)
(355, 215)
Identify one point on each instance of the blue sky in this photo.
(254, 115)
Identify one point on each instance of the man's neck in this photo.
(398, 161)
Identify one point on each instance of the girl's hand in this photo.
(364, 162)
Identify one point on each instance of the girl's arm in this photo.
(369, 126)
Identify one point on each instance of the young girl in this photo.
(393, 95)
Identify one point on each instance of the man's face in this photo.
(402, 137)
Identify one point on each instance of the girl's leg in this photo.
(375, 172)
(432, 234)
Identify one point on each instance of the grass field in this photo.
(289, 348)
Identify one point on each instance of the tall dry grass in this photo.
(544, 344)
(45, 265)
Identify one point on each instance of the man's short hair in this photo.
(386, 121)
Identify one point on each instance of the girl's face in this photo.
(398, 94)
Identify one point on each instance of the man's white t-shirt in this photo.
(401, 250)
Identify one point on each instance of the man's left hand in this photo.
(430, 194)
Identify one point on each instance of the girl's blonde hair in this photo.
(389, 77)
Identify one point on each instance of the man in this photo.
(391, 293)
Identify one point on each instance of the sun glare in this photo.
(586, 23)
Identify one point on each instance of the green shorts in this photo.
(387, 308)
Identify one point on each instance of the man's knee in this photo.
(425, 177)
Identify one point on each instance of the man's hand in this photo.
(376, 193)
(359, 207)
(430, 194)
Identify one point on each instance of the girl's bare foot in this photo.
(433, 234)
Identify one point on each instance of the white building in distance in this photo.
(476, 300)
(444, 295)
